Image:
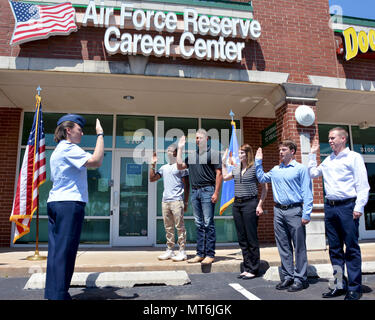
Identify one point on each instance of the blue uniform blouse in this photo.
(68, 173)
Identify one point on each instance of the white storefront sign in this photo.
(190, 45)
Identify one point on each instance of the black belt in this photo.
(340, 202)
(202, 186)
(243, 199)
(288, 206)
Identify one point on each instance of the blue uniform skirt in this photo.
(65, 219)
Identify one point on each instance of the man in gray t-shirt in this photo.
(173, 206)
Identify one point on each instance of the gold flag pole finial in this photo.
(231, 114)
(37, 256)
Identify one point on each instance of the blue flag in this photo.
(232, 160)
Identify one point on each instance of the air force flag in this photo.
(232, 160)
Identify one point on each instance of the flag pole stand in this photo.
(37, 256)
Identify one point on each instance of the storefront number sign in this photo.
(189, 45)
(364, 148)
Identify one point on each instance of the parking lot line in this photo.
(243, 291)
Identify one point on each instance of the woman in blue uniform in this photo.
(67, 200)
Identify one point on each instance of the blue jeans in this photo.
(203, 210)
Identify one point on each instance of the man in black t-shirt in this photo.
(206, 179)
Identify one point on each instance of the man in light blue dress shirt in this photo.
(346, 190)
(292, 193)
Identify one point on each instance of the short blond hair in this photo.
(341, 132)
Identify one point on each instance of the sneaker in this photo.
(181, 256)
(166, 255)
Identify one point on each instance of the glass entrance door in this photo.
(367, 223)
(132, 202)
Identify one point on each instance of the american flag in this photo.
(32, 175)
(34, 22)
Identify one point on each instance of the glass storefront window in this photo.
(49, 125)
(126, 126)
(89, 136)
(169, 128)
(93, 231)
(221, 130)
(31, 236)
(99, 189)
(323, 137)
(364, 140)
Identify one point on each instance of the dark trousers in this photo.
(65, 219)
(342, 229)
(246, 221)
(290, 235)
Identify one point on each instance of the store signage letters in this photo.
(189, 44)
(358, 42)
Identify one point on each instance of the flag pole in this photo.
(37, 256)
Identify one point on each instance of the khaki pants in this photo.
(173, 216)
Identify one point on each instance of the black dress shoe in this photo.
(284, 284)
(298, 286)
(353, 295)
(332, 293)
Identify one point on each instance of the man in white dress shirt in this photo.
(346, 188)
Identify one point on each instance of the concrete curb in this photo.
(116, 279)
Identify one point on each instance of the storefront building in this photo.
(151, 70)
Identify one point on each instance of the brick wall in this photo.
(252, 128)
(296, 38)
(10, 125)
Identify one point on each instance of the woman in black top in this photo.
(246, 208)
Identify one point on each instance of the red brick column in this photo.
(10, 127)
(288, 128)
(252, 128)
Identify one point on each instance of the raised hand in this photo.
(154, 158)
(98, 127)
(225, 156)
(181, 142)
(315, 147)
(259, 154)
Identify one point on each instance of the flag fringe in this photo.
(226, 205)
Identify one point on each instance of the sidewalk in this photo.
(13, 261)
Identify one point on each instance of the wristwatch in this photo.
(100, 134)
